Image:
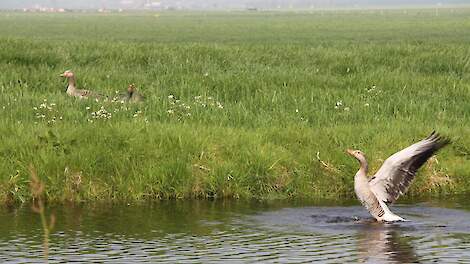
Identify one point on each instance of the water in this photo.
(238, 232)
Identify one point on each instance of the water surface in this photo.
(239, 232)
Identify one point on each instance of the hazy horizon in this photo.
(220, 4)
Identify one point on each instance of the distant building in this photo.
(153, 5)
(38, 8)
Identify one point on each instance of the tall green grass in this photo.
(274, 100)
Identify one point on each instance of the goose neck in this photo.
(71, 81)
(363, 169)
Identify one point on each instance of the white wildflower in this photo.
(339, 104)
(372, 88)
(101, 114)
(137, 113)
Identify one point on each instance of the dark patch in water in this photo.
(335, 219)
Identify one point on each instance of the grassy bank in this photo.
(238, 104)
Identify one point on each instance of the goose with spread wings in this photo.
(394, 177)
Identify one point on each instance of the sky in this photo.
(220, 4)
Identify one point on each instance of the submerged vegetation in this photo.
(238, 105)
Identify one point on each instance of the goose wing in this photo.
(84, 93)
(137, 97)
(88, 93)
(399, 170)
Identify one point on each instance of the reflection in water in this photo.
(384, 243)
(237, 232)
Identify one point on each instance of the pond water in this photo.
(239, 232)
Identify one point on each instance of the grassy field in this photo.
(244, 105)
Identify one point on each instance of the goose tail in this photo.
(389, 216)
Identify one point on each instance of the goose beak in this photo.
(350, 152)
(62, 75)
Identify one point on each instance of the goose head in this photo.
(359, 155)
(67, 74)
(131, 88)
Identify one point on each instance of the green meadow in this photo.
(238, 104)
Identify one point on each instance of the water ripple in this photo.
(289, 235)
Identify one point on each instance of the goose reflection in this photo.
(385, 243)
